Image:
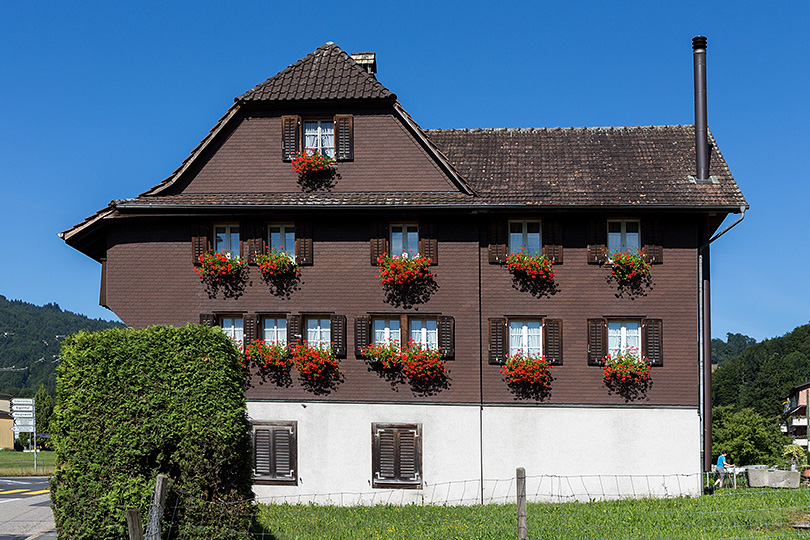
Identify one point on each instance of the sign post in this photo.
(23, 410)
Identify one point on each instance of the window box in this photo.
(311, 162)
(315, 363)
(273, 355)
(628, 267)
(277, 264)
(527, 369)
(389, 354)
(219, 266)
(404, 270)
(423, 364)
(533, 267)
(625, 367)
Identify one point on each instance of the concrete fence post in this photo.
(523, 529)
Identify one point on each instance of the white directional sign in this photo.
(22, 407)
(18, 414)
(22, 429)
(22, 401)
(23, 421)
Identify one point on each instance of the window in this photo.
(386, 330)
(525, 236)
(274, 330)
(424, 332)
(232, 326)
(525, 336)
(623, 336)
(623, 235)
(319, 137)
(404, 240)
(226, 239)
(319, 332)
(275, 452)
(282, 238)
(396, 456)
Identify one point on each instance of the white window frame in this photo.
(324, 132)
(384, 332)
(521, 242)
(234, 327)
(322, 331)
(624, 238)
(285, 231)
(409, 232)
(226, 246)
(274, 330)
(425, 336)
(519, 334)
(621, 337)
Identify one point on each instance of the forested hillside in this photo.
(763, 373)
(731, 347)
(30, 339)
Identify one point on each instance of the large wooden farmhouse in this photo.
(625, 214)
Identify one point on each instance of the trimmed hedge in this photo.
(133, 404)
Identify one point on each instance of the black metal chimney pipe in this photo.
(701, 123)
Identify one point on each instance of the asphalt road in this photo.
(25, 509)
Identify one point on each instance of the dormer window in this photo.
(319, 137)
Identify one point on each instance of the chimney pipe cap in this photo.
(698, 42)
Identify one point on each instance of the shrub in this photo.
(133, 404)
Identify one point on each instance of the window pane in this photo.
(614, 337)
(631, 226)
(516, 343)
(632, 241)
(423, 332)
(412, 241)
(533, 227)
(328, 139)
(397, 241)
(311, 136)
(386, 330)
(275, 330)
(233, 241)
(232, 326)
(534, 338)
(533, 243)
(633, 336)
(220, 239)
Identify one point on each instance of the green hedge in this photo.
(133, 404)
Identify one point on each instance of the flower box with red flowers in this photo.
(421, 364)
(277, 264)
(403, 270)
(219, 266)
(625, 367)
(389, 355)
(309, 162)
(274, 355)
(628, 266)
(530, 369)
(314, 363)
(534, 267)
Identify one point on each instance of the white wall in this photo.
(580, 452)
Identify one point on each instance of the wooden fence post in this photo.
(134, 525)
(523, 529)
(156, 510)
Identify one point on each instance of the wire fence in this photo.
(559, 507)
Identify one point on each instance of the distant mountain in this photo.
(763, 373)
(30, 339)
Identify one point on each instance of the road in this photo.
(25, 509)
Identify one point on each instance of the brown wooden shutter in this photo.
(344, 137)
(102, 293)
(294, 330)
(498, 341)
(597, 241)
(290, 136)
(199, 241)
(362, 334)
(337, 330)
(396, 455)
(652, 345)
(249, 323)
(498, 241)
(653, 247)
(597, 341)
(252, 240)
(304, 250)
(429, 242)
(379, 240)
(553, 341)
(408, 457)
(386, 440)
(283, 453)
(447, 335)
(262, 452)
(208, 319)
(552, 240)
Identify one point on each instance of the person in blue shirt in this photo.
(720, 469)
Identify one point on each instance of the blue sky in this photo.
(102, 100)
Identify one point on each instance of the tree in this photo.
(733, 346)
(748, 437)
(44, 409)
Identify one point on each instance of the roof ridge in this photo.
(554, 128)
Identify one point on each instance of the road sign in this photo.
(23, 429)
(22, 407)
(18, 414)
(22, 401)
(24, 422)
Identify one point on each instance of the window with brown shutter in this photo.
(597, 341)
(396, 456)
(294, 330)
(497, 241)
(362, 334)
(652, 344)
(344, 137)
(447, 336)
(498, 341)
(290, 136)
(552, 240)
(602, 340)
(303, 243)
(275, 453)
(249, 328)
(653, 247)
(338, 335)
(553, 341)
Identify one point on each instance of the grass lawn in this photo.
(22, 463)
(741, 513)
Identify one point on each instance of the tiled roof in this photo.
(326, 73)
(613, 166)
